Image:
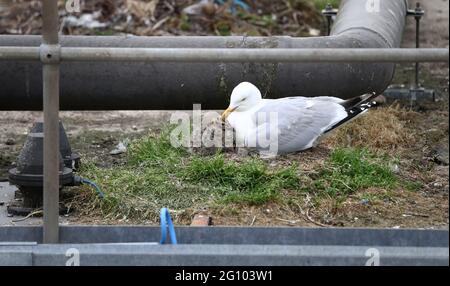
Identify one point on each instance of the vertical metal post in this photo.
(328, 25)
(51, 120)
(329, 12)
(418, 16)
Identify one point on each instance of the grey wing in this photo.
(296, 122)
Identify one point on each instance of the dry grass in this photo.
(383, 129)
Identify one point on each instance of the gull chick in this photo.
(296, 123)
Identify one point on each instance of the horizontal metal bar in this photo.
(253, 55)
(71, 54)
(20, 53)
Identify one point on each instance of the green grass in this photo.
(317, 4)
(349, 170)
(258, 20)
(155, 150)
(185, 25)
(321, 4)
(104, 32)
(158, 175)
(248, 182)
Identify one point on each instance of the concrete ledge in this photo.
(237, 235)
(218, 255)
(223, 246)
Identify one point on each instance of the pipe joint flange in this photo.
(50, 54)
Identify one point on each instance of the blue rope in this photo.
(92, 184)
(166, 222)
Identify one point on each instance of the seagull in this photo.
(290, 124)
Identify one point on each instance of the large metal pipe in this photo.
(165, 85)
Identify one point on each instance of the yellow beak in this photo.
(226, 113)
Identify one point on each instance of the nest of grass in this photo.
(220, 134)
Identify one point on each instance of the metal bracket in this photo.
(329, 10)
(50, 54)
(401, 92)
(418, 12)
(416, 92)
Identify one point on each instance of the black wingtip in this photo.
(356, 110)
(353, 102)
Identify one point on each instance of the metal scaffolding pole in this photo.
(49, 55)
(87, 54)
(253, 55)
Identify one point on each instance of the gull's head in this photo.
(243, 98)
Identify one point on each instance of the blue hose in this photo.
(94, 185)
(166, 222)
(240, 3)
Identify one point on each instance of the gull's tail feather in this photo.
(356, 107)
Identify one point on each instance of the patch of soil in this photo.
(92, 134)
